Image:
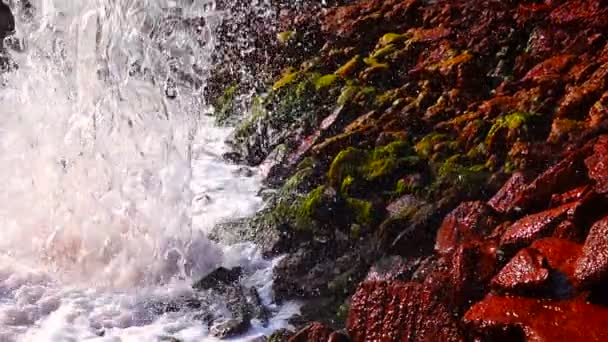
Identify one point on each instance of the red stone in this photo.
(531, 268)
(576, 11)
(559, 254)
(532, 227)
(524, 272)
(470, 221)
(573, 195)
(393, 311)
(548, 69)
(563, 176)
(502, 202)
(592, 266)
(577, 96)
(537, 320)
(597, 165)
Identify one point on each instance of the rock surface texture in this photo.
(439, 168)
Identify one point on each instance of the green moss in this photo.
(383, 52)
(287, 77)
(347, 94)
(349, 67)
(224, 105)
(346, 183)
(370, 166)
(325, 81)
(426, 145)
(363, 211)
(374, 63)
(311, 203)
(391, 38)
(456, 174)
(387, 98)
(286, 36)
(510, 122)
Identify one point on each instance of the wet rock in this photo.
(563, 176)
(532, 227)
(597, 165)
(524, 272)
(499, 318)
(219, 278)
(237, 320)
(318, 332)
(400, 312)
(393, 268)
(581, 98)
(470, 221)
(281, 335)
(7, 22)
(503, 200)
(549, 69)
(592, 266)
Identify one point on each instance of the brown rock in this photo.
(532, 227)
(597, 165)
(592, 266)
(519, 319)
(468, 222)
(399, 312)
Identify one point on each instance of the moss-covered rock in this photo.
(373, 166)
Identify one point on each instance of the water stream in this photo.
(112, 174)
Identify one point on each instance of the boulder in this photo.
(470, 221)
(399, 312)
(498, 318)
(592, 266)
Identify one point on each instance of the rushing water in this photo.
(108, 184)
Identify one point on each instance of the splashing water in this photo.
(111, 174)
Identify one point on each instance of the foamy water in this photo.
(109, 185)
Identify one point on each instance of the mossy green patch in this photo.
(426, 145)
(391, 38)
(349, 67)
(325, 81)
(383, 52)
(362, 211)
(371, 165)
(510, 122)
(225, 105)
(288, 76)
(285, 36)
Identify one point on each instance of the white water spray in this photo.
(100, 169)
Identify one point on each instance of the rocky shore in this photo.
(436, 170)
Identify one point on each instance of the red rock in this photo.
(532, 268)
(471, 269)
(592, 266)
(559, 254)
(599, 111)
(536, 320)
(586, 94)
(563, 176)
(573, 195)
(524, 272)
(575, 11)
(430, 34)
(503, 200)
(597, 165)
(470, 221)
(532, 227)
(549, 69)
(318, 332)
(385, 311)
